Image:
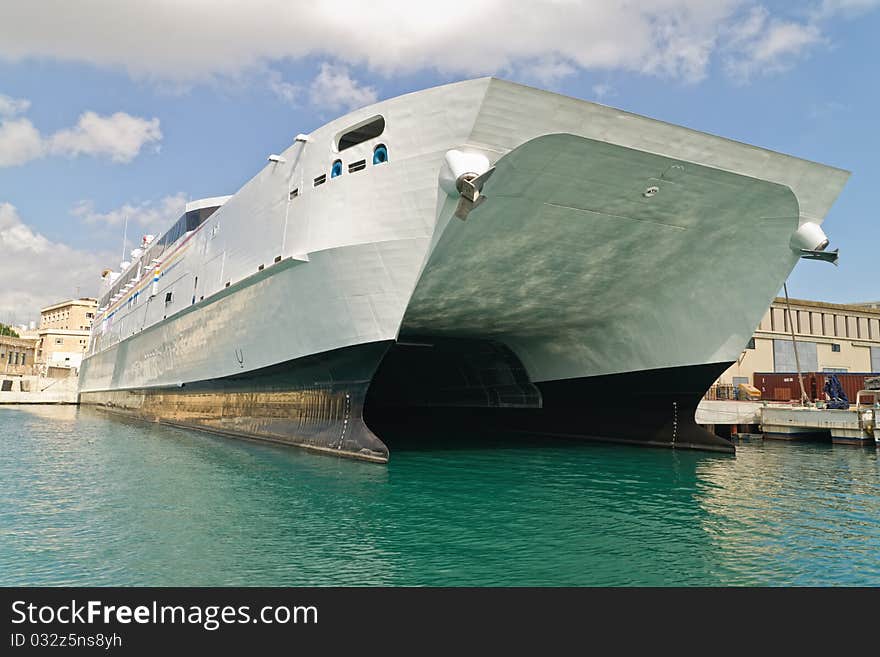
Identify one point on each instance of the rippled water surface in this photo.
(87, 499)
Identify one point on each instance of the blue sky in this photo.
(114, 109)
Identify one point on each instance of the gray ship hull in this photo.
(592, 287)
(346, 402)
(314, 402)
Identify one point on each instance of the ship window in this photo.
(336, 169)
(59, 341)
(835, 347)
(357, 166)
(294, 193)
(380, 154)
(364, 131)
(168, 297)
(320, 180)
(751, 344)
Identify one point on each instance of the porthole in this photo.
(380, 154)
(336, 169)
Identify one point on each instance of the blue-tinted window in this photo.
(380, 154)
(336, 169)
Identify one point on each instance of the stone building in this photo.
(17, 355)
(64, 332)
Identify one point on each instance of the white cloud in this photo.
(549, 70)
(761, 44)
(15, 237)
(846, 8)
(826, 110)
(37, 271)
(168, 40)
(180, 42)
(603, 90)
(158, 215)
(334, 89)
(119, 136)
(13, 106)
(783, 39)
(286, 91)
(20, 142)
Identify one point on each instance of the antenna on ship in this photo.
(124, 235)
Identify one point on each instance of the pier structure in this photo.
(32, 389)
(857, 425)
(854, 426)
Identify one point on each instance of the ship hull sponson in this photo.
(314, 402)
(648, 407)
(652, 407)
(348, 402)
(588, 258)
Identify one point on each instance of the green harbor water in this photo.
(87, 499)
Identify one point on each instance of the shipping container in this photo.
(783, 386)
(776, 386)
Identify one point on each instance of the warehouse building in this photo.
(830, 337)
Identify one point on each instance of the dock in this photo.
(37, 390)
(857, 425)
(712, 412)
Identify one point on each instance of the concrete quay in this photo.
(37, 390)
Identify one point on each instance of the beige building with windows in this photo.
(64, 332)
(17, 355)
(830, 337)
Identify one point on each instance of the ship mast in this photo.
(124, 236)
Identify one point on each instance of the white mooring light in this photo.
(810, 241)
(809, 237)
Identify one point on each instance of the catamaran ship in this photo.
(481, 253)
